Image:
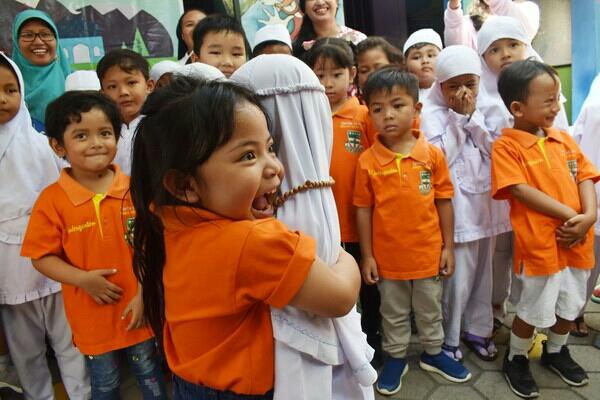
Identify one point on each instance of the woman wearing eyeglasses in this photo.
(37, 52)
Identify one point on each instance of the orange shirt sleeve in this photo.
(506, 170)
(274, 263)
(441, 176)
(363, 193)
(44, 231)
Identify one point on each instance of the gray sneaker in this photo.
(9, 379)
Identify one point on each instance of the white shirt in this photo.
(125, 145)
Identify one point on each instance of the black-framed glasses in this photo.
(30, 36)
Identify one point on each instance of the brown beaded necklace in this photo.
(279, 200)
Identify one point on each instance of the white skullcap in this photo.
(457, 60)
(161, 68)
(498, 27)
(82, 80)
(275, 32)
(200, 71)
(428, 36)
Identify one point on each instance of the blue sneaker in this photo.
(445, 366)
(390, 378)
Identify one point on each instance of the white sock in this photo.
(518, 346)
(555, 342)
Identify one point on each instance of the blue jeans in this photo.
(144, 363)
(183, 390)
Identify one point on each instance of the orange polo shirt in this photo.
(88, 231)
(401, 190)
(555, 165)
(351, 132)
(220, 277)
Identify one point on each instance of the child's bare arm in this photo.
(136, 309)
(93, 282)
(330, 291)
(446, 216)
(364, 225)
(574, 230)
(541, 202)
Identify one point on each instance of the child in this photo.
(373, 53)
(337, 366)
(420, 52)
(125, 79)
(452, 122)
(501, 41)
(78, 234)
(220, 41)
(404, 218)
(212, 189)
(272, 39)
(550, 186)
(161, 73)
(31, 305)
(332, 61)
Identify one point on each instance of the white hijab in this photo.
(199, 71)
(490, 103)
(302, 128)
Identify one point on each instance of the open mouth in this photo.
(39, 52)
(264, 205)
(321, 10)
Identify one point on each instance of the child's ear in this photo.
(418, 108)
(194, 57)
(516, 109)
(182, 187)
(352, 73)
(150, 85)
(58, 148)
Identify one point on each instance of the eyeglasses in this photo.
(30, 36)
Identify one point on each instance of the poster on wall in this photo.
(90, 28)
(258, 13)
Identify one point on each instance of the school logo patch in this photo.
(353, 144)
(425, 182)
(572, 164)
(129, 231)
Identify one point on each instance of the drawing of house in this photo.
(83, 50)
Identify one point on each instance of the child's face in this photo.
(127, 89)
(223, 50)
(460, 89)
(188, 23)
(321, 10)
(393, 112)
(541, 106)
(10, 95)
(239, 180)
(421, 62)
(504, 52)
(369, 62)
(89, 145)
(38, 51)
(335, 79)
(276, 48)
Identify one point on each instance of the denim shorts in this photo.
(183, 390)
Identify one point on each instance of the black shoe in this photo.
(563, 365)
(519, 378)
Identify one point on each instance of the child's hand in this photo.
(136, 309)
(463, 102)
(97, 286)
(447, 262)
(368, 269)
(574, 230)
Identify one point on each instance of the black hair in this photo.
(185, 122)
(393, 54)
(306, 32)
(181, 47)
(258, 49)
(127, 60)
(67, 109)
(514, 80)
(217, 23)
(388, 77)
(5, 64)
(337, 50)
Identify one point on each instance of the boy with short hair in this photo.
(550, 187)
(78, 235)
(220, 41)
(420, 52)
(125, 78)
(272, 39)
(403, 196)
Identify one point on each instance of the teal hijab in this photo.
(43, 83)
